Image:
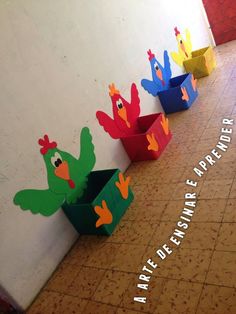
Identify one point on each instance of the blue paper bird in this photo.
(160, 75)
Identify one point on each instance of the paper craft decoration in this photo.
(67, 176)
(104, 202)
(202, 62)
(104, 213)
(125, 114)
(175, 94)
(141, 136)
(181, 94)
(160, 74)
(154, 135)
(184, 47)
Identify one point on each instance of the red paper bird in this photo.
(125, 114)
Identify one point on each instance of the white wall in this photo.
(57, 58)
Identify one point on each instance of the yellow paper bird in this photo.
(184, 47)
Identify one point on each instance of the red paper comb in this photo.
(150, 55)
(176, 31)
(46, 144)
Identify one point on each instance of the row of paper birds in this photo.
(125, 114)
(67, 175)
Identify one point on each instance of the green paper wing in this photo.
(87, 156)
(44, 202)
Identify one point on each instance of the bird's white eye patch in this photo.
(119, 104)
(56, 160)
(156, 66)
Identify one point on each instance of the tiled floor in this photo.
(100, 275)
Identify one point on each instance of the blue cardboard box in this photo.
(175, 94)
(181, 94)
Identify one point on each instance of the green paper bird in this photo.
(67, 177)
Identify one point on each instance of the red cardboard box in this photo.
(151, 140)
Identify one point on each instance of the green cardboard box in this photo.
(202, 62)
(101, 187)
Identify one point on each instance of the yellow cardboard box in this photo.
(202, 62)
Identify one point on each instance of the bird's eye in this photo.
(156, 66)
(119, 104)
(56, 160)
(181, 41)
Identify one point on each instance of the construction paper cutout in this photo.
(67, 177)
(104, 213)
(210, 60)
(202, 62)
(125, 114)
(184, 47)
(160, 74)
(153, 145)
(194, 83)
(123, 185)
(184, 94)
(165, 124)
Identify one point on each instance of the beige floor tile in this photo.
(190, 265)
(233, 190)
(146, 211)
(206, 144)
(126, 311)
(128, 258)
(182, 188)
(112, 288)
(197, 156)
(189, 174)
(178, 297)
(162, 233)
(217, 300)
(212, 132)
(122, 232)
(95, 307)
(47, 302)
(229, 156)
(162, 269)
(215, 189)
(179, 160)
(86, 282)
(209, 210)
(201, 235)
(83, 249)
(103, 256)
(226, 240)
(50, 302)
(71, 305)
(230, 212)
(62, 278)
(222, 269)
(171, 175)
(222, 171)
(141, 232)
(154, 192)
(152, 295)
(173, 210)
